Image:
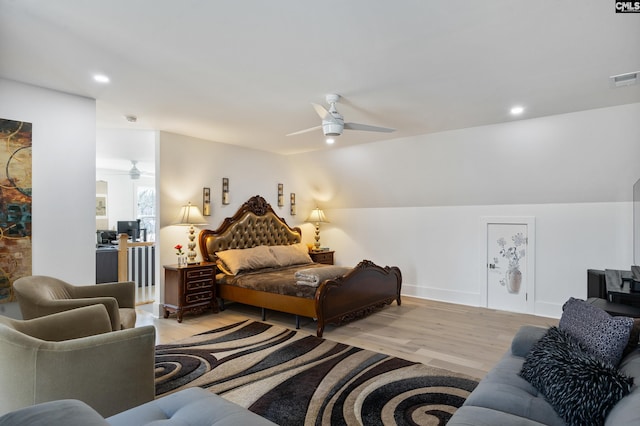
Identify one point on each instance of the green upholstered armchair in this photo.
(74, 354)
(40, 295)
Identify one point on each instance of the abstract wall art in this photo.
(15, 204)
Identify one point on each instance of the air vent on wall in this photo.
(626, 79)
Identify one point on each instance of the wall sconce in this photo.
(225, 191)
(280, 195)
(206, 201)
(293, 204)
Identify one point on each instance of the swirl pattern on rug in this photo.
(292, 378)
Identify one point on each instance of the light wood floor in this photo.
(460, 338)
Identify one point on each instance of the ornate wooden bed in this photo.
(364, 289)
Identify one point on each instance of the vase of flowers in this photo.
(181, 259)
(513, 277)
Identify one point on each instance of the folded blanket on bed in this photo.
(314, 276)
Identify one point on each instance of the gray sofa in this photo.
(193, 407)
(504, 398)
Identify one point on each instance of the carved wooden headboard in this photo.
(254, 224)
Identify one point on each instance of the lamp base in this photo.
(191, 254)
(317, 237)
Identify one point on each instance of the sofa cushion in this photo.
(525, 338)
(634, 338)
(64, 412)
(481, 416)
(602, 335)
(626, 411)
(580, 387)
(503, 390)
(191, 406)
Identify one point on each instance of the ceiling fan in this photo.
(134, 172)
(333, 122)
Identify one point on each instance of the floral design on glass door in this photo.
(512, 253)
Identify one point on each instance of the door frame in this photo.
(530, 221)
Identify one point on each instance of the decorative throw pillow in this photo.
(239, 260)
(294, 254)
(223, 268)
(579, 386)
(601, 334)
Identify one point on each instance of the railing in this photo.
(136, 262)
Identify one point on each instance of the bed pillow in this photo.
(239, 260)
(578, 385)
(293, 254)
(601, 334)
(223, 268)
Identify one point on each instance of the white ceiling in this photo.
(245, 72)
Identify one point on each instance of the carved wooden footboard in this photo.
(364, 289)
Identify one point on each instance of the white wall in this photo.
(187, 164)
(63, 209)
(417, 202)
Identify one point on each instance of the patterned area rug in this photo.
(293, 379)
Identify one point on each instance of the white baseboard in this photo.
(542, 309)
(462, 298)
(550, 310)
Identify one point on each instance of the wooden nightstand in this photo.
(189, 288)
(325, 257)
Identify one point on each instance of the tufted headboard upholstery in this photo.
(254, 224)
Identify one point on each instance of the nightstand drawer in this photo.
(198, 297)
(199, 273)
(196, 285)
(325, 257)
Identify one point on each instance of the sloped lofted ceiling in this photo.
(245, 72)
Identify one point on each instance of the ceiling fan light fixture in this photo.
(332, 128)
(330, 141)
(134, 173)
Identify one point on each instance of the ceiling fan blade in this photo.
(305, 131)
(322, 112)
(367, 128)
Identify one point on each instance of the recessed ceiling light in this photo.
(330, 141)
(101, 78)
(517, 110)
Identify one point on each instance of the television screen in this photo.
(636, 223)
(131, 227)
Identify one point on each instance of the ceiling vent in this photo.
(624, 79)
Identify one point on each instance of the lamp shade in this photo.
(317, 216)
(190, 215)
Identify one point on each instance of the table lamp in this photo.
(318, 217)
(189, 216)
